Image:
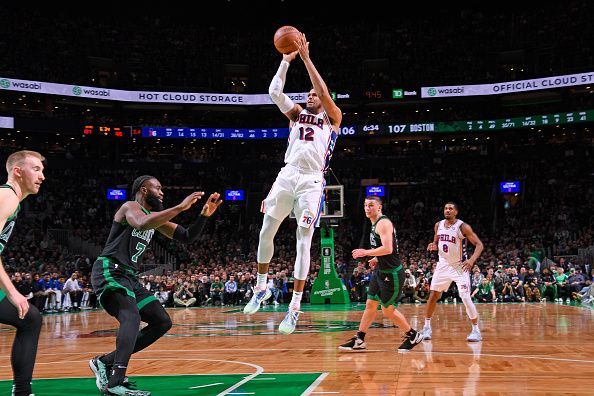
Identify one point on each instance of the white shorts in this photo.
(445, 274)
(299, 191)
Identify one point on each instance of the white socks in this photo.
(262, 281)
(296, 300)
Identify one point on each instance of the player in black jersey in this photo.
(25, 175)
(386, 281)
(114, 276)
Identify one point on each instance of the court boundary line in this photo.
(315, 384)
(533, 357)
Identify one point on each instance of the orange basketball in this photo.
(284, 39)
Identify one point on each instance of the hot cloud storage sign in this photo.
(141, 96)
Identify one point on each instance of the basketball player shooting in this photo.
(449, 240)
(299, 186)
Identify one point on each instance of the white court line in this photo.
(205, 386)
(533, 357)
(317, 393)
(314, 384)
(264, 379)
(242, 393)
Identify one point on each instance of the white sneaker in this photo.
(474, 336)
(287, 326)
(427, 332)
(254, 305)
(568, 301)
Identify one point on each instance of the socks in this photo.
(296, 300)
(117, 375)
(428, 322)
(361, 335)
(262, 281)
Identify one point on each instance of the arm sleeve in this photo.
(189, 235)
(277, 85)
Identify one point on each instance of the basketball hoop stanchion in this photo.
(328, 288)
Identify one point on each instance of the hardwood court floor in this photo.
(528, 349)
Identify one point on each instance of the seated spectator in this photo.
(183, 296)
(484, 292)
(549, 285)
(230, 293)
(216, 291)
(74, 291)
(562, 285)
(408, 287)
(422, 288)
(532, 286)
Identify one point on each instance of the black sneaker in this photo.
(409, 340)
(354, 344)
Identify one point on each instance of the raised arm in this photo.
(284, 103)
(318, 83)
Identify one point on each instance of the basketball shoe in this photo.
(354, 344)
(475, 335)
(287, 326)
(254, 305)
(125, 388)
(100, 370)
(409, 340)
(427, 332)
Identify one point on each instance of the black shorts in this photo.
(108, 276)
(385, 286)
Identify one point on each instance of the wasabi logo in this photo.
(76, 90)
(4, 83)
(432, 91)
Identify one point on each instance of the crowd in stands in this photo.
(550, 219)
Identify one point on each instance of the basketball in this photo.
(284, 38)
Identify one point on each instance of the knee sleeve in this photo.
(270, 226)
(302, 261)
(469, 305)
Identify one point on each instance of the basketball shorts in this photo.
(385, 286)
(108, 275)
(445, 274)
(297, 191)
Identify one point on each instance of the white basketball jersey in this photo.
(311, 142)
(451, 243)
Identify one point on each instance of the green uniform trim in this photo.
(396, 293)
(145, 210)
(396, 288)
(142, 303)
(2, 294)
(112, 284)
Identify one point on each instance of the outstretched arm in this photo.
(191, 234)
(318, 83)
(132, 212)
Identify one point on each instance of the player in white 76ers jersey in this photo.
(449, 240)
(299, 186)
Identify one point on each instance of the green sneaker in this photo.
(125, 388)
(100, 370)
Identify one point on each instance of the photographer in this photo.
(422, 288)
(184, 297)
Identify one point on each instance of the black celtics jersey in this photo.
(390, 261)
(125, 244)
(8, 227)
